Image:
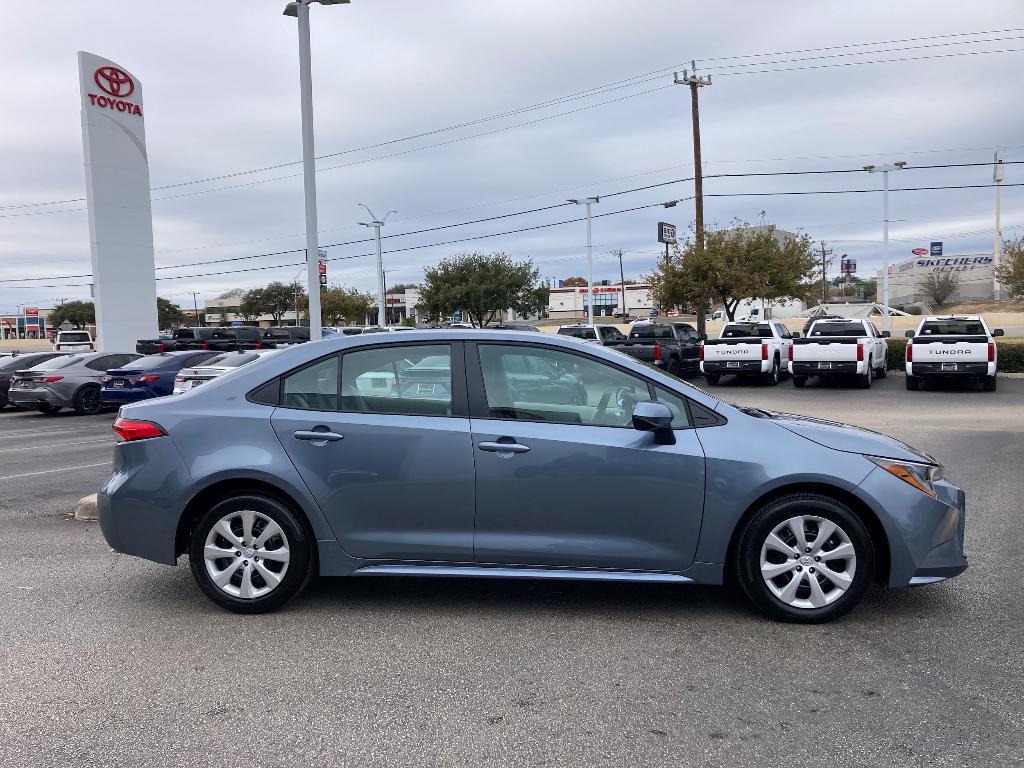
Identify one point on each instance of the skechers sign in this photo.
(954, 263)
(118, 86)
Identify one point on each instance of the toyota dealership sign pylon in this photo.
(120, 211)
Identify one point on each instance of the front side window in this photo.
(410, 380)
(611, 333)
(533, 384)
(313, 388)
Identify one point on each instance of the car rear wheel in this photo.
(712, 378)
(805, 558)
(772, 378)
(250, 554)
(913, 383)
(864, 380)
(989, 384)
(87, 401)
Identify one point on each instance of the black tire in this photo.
(87, 401)
(882, 372)
(864, 380)
(988, 384)
(773, 376)
(3, 402)
(673, 366)
(799, 381)
(712, 378)
(913, 383)
(747, 563)
(299, 541)
(47, 409)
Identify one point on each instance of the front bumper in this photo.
(735, 366)
(34, 397)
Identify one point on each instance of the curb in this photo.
(85, 509)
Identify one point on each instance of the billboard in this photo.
(666, 232)
(118, 199)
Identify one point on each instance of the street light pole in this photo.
(588, 201)
(377, 223)
(300, 10)
(884, 170)
(997, 249)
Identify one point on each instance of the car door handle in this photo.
(317, 436)
(503, 447)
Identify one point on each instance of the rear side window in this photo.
(409, 380)
(652, 332)
(313, 388)
(193, 333)
(60, 362)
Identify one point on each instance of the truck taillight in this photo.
(130, 429)
(56, 347)
(657, 351)
(910, 352)
(764, 351)
(258, 345)
(790, 353)
(860, 353)
(991, 351)
(161, 348)
(204, 346)
(701, 351)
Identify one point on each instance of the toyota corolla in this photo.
(295, 468)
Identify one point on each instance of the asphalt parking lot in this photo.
(109, 660)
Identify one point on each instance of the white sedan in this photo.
(190, 378)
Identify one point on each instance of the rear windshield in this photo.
(351, 331)
(231, 360)
(759, 331)
(58, 362)
(20, 362)
(74, 337)
(193, 333)
(837, 329)
(151, 361)
(651, 332)
(953, 328)
(579, 333)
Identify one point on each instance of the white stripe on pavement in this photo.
(60, 469)
(58, 445)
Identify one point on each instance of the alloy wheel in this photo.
(808, 562)
(246, 554)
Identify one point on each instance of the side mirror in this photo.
(795, 334)
(909, 334)
(652, 416)
(997, 332)
(885, 334)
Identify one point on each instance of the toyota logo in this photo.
(114, 81)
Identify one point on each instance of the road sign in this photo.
(323, 270)
(666, 232)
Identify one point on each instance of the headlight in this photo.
(921, 476)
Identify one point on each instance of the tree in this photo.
(234, 293)
(401, 287)
(574, 282)
(168, 314)
(1010, 271)
(937, 287)
(78, 313)
(346, 306)
(738, 263)
(482, 286)
(275, 299)
(252, 305)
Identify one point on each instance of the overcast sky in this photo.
(220, 82)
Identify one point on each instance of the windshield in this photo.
(953, 328)
(73, 337)
(151, 361)
(60, 362)
(759, 331)
(837, 329)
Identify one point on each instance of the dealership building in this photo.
(572, 302)
(974, 271)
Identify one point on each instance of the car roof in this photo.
(952, 317)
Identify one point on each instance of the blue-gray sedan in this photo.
(516, 455)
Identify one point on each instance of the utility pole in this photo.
(824, 268)
(899, 165)
(589, 201)
(195, 305)
(622, 280)
(997, 250)
(691, 79)
(377, 223)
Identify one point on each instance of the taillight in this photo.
(657, 351)
(146, 379)
(204, 346)
(991, 351)
(790, 353)
(178, 379)
(910, 353)
(161, 348)
(131, 429)
(860, 353)
(764, 351)
(701, 351)
(258, 345)
(51, 379)
(56, 347)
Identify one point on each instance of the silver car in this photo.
(71, 381)
(472, 463)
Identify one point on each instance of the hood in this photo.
(843, 437)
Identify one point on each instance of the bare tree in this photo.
(937, 287)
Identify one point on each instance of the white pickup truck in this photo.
(745, 349)
(953, 346)
(840, 347)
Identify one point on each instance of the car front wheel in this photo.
(250, 554)
(805, 558)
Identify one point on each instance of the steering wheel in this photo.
(622, 394)
(602, 406)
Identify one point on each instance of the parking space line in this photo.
(31, 432)
(59, 469)
(56, 445)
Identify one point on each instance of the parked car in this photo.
(14, 362)
(74, 341)
(68, 381)
(672, 346)
(215, 367)
(386, 329)
(214, 339)
(343, 330)
(840, 348)
(146, 377)
(810, 321)
(285, 335)
(513, 327)
(953, 346)
(283, 469)
(593, 334)
(747, 349)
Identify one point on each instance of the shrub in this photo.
(1011, 355)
